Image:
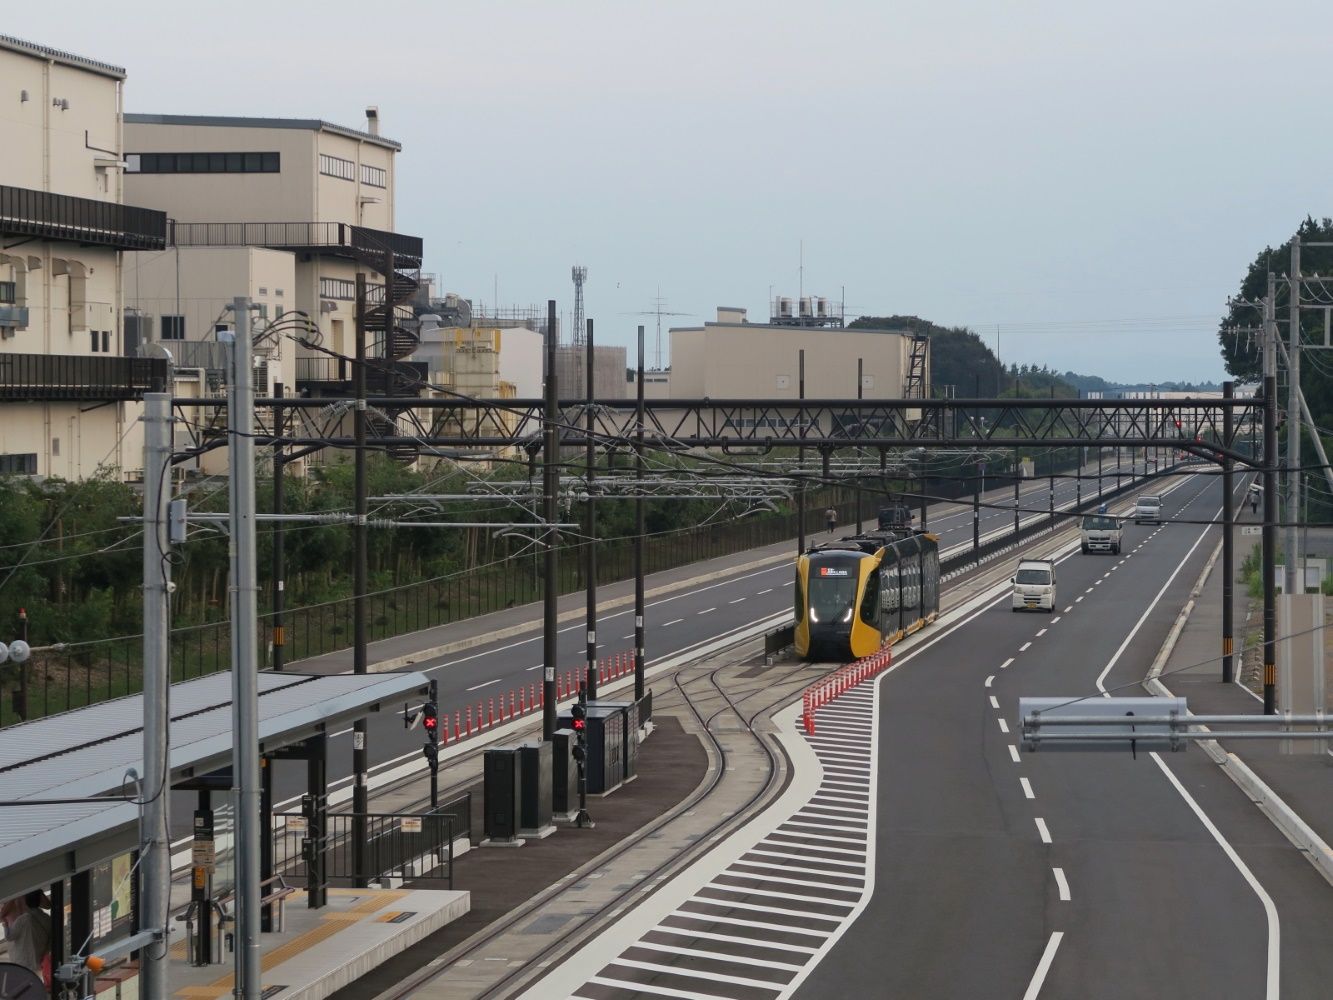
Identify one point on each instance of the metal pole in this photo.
(856, 482)
(155, 845)
(550, 487)
(1295, 561)
(360, 579)
(590, 545)
(1228, 531)
(976, 516)
(1270, 498)
(279, 538)
(244, 661)
(1018, 469)
(800, 487)
(639, 689)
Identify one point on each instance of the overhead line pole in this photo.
(1295, 563)
(244, 666)
(590, 543)
(1270, 496)
(155, 845)
(279, 596)
(639, 688)
(1228, 540)
(360, 579)
(550, 487)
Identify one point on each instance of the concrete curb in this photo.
(1301, 834)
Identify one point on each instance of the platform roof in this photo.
(86, 753)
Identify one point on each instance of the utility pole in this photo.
(155, 848)
(279, 595)
(244, 662)
(856, 482)
(1018, 472)
(1295, 561)
(590, 561)
(1270, 497)
(1228, 533)
(551, 486)
(360, 576)
(639, 689)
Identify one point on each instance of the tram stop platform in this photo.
(320, 951)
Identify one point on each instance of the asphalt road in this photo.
(1090, 875)
(674, 623)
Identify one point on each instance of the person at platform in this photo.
(29, 934)
(831, 516)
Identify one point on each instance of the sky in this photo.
(1083, 184)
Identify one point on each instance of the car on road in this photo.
(1100, 532)
(1034, 585)
(1148, 509)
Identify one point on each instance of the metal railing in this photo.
(68, 376)
(24, 211)
(407, 250)
(413, 847)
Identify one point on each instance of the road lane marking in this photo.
(1041, 829)
(995, 703)
(674, 621)
(1058, 617)
(1069, 609)
(990, 680)
(1062, 884)
(1272, 991)
(1006, 663)
(1088, 591)
(1028, 793)
(768, 591)
(1079, 598)
(736, 601)
(1023, 648)
(1004, 726)
(537, 666)
(1040, 633)
(706, 611)
(1013, 752)
(478, 687)
(1044, 966)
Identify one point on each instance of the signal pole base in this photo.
(584, 821)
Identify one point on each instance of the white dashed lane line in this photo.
(990, 680)
(706, 611)
(1024, 648)
(995, 703)
(1062, 884)
(1028, 793)
(1006, 663)
(1043, 831)
(674, 621)
(1041, 633)
(1013, 752)
(1004, 726)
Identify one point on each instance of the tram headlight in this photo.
(847, 617)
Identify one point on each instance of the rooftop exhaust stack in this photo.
(373, 120)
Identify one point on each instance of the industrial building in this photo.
(68, 380)
(808, 355)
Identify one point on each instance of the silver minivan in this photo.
(1148, 509)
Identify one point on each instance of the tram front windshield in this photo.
(832, 590)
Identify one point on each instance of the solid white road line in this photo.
(1044, 966)
(1062, 884)
(1043, 831)
(1272, 988)
(1027, 788)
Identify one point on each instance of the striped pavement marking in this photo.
(759, 926)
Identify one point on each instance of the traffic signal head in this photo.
(431, 752)
(580, 716)
(430, 720)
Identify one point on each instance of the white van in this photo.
(1148, 508)
(1100, 532)
(1034, 585)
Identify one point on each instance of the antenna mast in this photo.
(580, 274)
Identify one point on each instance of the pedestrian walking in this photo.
(831, 516)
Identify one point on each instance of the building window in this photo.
(173, 327)
(374, 176)
(263, 312)
(106, 341)
(263, 291)
(277, 292)
(203, 163)
(18, 465)
(8, 290)
(96, 341)
(337, 288)
(336, 166)
(55, 446)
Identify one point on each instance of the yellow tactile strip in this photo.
(330, 924)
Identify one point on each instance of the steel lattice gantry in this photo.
(1188, 424)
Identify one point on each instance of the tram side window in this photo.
(931, 582)
(799, 598)
(870, 600)
(911, 587)
(890, 597)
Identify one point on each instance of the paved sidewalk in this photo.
(1194, 671)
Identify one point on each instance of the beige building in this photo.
(68, 388)
(733, 358)
(322, 193)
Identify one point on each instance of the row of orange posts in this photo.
(843, 679)
(527, 698)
